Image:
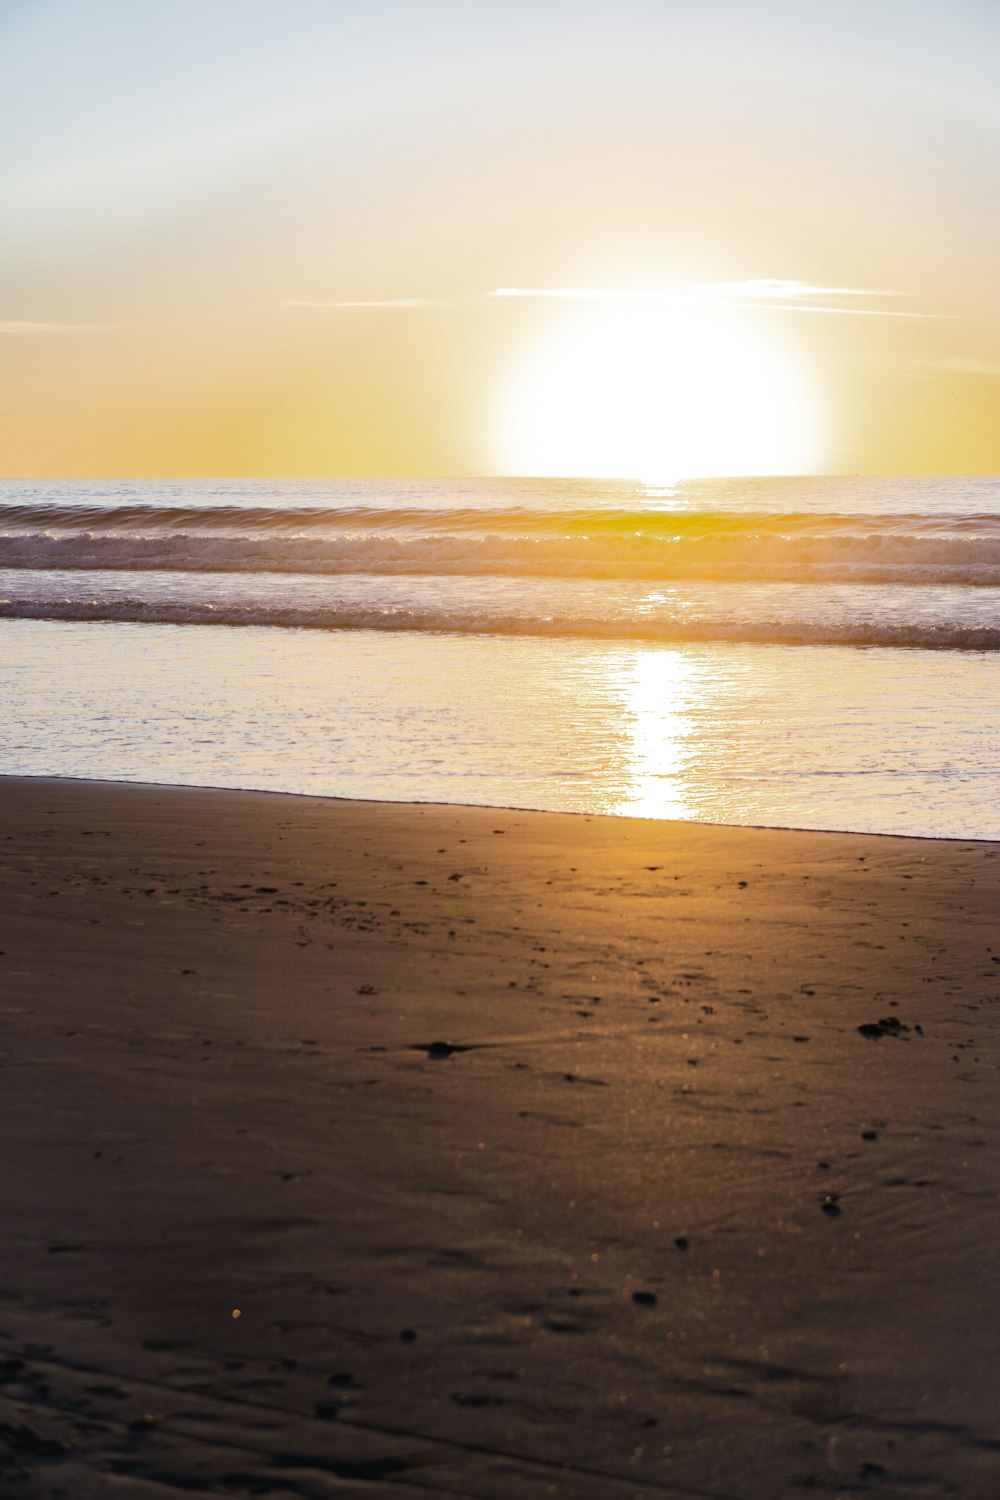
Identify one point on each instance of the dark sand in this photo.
(663, 1222)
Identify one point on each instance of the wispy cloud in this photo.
(759, 288)
(968, 364)
(773, 289)
(770, 292)
(578, 294)
(763, 291)
(374, 302)
(26, 325)
(802, 297)
(840, 312)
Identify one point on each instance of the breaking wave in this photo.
(667, 626)
(771, 550)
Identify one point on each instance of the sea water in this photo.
(811, 652)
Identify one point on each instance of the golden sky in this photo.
(309, 237)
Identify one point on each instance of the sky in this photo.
(312, 237)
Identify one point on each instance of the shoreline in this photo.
(538, 1153)
(558, 812)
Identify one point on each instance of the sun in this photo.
(658, 390)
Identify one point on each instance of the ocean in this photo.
(819, 653)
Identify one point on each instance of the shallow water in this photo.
(808, 736)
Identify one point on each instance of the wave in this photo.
(925, 635)
(887, 556)
(519, 519)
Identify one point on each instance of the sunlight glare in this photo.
(660, 688)
(658, 391)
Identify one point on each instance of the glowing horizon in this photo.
(327, 238)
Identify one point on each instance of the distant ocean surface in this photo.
(818, 652)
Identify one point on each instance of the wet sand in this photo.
(360, 1149)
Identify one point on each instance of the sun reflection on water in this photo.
(658, 688)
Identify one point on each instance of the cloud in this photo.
(772, 288)
(770, 292)
(839, 312)
(577, 294)
(968, 364)
(764, 291)
(790, 296)
(384, 302)
(760, 288)
(574, 293)
(25, 325)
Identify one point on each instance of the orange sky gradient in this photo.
(262, 239)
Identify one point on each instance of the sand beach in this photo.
(373, 1149)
